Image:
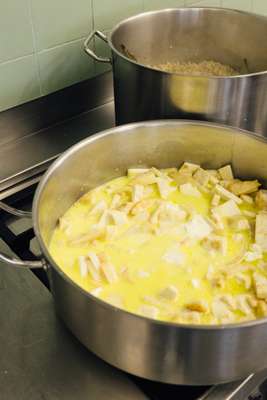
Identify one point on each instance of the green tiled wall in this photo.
(41, 41)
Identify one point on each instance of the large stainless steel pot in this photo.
(189, 34)
(166, 352)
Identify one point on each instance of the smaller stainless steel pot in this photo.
(166, 352)
(229, 36)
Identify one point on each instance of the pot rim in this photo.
(165, 10)
(127, 128)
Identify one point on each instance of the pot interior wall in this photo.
(162, 144)
(195, 34)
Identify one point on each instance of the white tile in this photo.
(107, 13)
(160, 4)
(19, 82)
(60, 21)
(16, 39)
(244, 5)
(63, 66)
(259, 6)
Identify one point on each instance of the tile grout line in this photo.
(35, 47)
(61, 45)
(17, 59)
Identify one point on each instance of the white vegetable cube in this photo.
(169, 293)
(135, 171)
(189, 167)
(83, 266)
(198, 227)
(137, 193)
(174, 256)
(189, 190)
(119, 217)
(164, 187)
(260, 284)
(109, 272)
(225, 194)
(261, 199)
(215, 201)
(202, 176)
(228, 209)
(261, 230)
(149, 311)
(226, 173)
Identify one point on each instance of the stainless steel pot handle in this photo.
(15, 262)
(15, 211)
(90, 52)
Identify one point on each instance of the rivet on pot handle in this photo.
(15, 262)
(91, 53)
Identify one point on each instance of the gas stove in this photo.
(31, 137)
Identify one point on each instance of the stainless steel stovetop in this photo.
(31, 137)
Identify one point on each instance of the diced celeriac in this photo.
(216, 243)
(228, 209)
(226, 172)
(247, 199)
(189, 190)
(262, 308)
(147, 178)
(261, 200)
(97, 291)
(149, 311)
(221, 311)
(169, 212)
(254, 253)
(143, 205)
(261, 230)
(65, 224)
(119, 217)
(115, 299)
(165, 188)
(242, 304)
(260, 285)
(249, 214)
(215, 201)
(201, 176)
(135, 171)
(229, 300)
(244, 279)
(239, 224)
(109, 272)
(238, 237)
(189, 317)
(225, 194)
(95, 233)
(98, 208)
(243, 187)
(94, 259)
(210, 272)
(195, 283)
(116, 201)
(94, 272)
(189, 167)
(83, 266)
(137, 192)
(174, 256)
(198, 228)
(170, 292)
